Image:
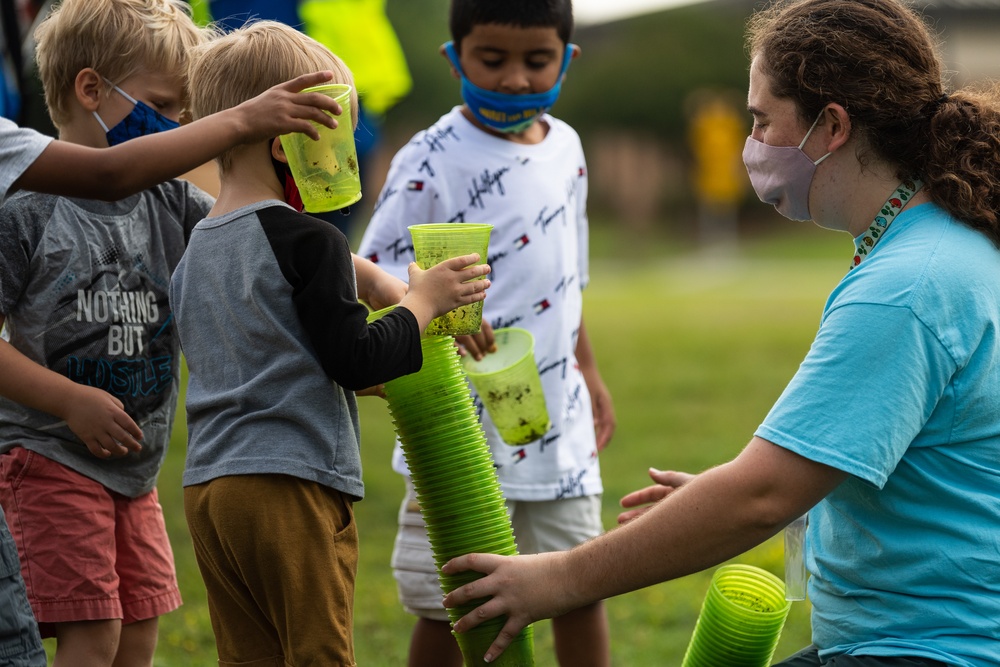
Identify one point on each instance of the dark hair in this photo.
(879, 60)
(465, 14)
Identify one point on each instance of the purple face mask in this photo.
(781, 175)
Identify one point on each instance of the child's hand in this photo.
(445, 287)
(100, 421)
(377, 390)
(478, 345)
(667, 481)
(282, 109)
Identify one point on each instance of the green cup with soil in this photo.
(326, 170)
(435, 242)
(740, 621)
(510, 388)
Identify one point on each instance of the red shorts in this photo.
(87, 553)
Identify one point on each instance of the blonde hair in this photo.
(116, 38)
(242, 64)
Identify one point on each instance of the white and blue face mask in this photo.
(504, 112)
(142, 120)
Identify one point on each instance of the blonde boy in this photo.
(266, 303)
(90, 369)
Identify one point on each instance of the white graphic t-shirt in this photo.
(535, 197)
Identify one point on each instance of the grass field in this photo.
(695, 349)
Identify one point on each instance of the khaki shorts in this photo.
(539, 527)
(279, 557)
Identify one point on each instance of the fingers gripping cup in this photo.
(740, 621)
(435, 242)
(326, 171)
(508, 384)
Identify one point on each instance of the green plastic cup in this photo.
(326, 171)
(508, 384)
(435, 242)
(740, 621)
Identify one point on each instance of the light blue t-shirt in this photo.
(901, 389)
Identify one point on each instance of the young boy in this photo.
(266, 301)
(90, 369)
(501, 159)
(34, 161)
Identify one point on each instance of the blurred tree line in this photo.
(629, 96)
(633, 74)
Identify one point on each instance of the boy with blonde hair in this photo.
(266, 302)
(90, 364)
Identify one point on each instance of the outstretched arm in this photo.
(112, 173)
(717, 515)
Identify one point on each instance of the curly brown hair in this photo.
(879, 60)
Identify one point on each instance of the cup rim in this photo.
(468, 363)
(345, 89)
(441, 226)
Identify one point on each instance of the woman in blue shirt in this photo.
(889, 433)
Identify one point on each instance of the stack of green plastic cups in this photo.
(740, 621)
(457, 488)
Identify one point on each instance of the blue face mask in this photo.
(142, 120)
(502, 111)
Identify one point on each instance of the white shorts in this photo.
(542, 526)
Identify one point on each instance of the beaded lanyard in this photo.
(890, 209)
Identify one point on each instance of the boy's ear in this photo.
(444, 54)
(278, 151)
(89, 88)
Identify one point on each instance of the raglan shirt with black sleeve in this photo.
(276, 342)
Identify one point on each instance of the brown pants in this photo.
(279, 558)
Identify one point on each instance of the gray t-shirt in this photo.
(83, 286)
(276, 343)
(19, 148)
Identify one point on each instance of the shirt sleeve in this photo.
(19, 148)
(316, 260)
(869, 383)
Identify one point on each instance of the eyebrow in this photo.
(754, 111)
(496, 51)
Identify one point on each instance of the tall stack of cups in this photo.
(452, 471)
(740, 621)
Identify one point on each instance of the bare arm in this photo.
(112, 173)
(376, 287)
(95, 416)
(716, 515)
(605, 421)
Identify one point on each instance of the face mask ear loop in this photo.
(120, 92)
(99, 120)
(449, 50)
(809, 133)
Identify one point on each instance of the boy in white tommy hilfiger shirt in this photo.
(501, 159)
